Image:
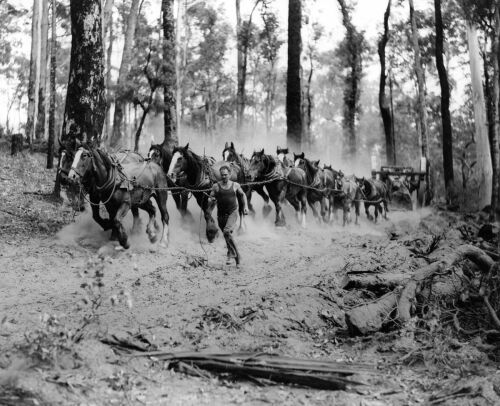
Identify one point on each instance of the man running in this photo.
(227, 194)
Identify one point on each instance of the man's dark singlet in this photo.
(227, 201)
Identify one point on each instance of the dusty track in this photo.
(289, 277)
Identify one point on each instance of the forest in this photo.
(365, 137)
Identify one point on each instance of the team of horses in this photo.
(127, 181)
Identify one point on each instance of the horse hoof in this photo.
(125, 244)
(153, 237)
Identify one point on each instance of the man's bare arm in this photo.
(242, 194)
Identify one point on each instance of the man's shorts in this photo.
(227, 222)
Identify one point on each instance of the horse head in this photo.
(81, 164)
(282, 153)
(258, 165)
(229, 153)
(178, 164)
(298, 159)
(155, 154)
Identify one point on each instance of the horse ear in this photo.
(187, 146)
(232, 145)
(226, 145)
(301, 155)
(278, 148)
(285, 150)
(262, 152)
(317, 162)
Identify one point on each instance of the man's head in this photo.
(224, 173)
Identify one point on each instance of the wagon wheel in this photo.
(421, 194)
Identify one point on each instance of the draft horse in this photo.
(122, 187)
(162, 155)
(242, 163)
(374, 193)
(280, 183)
(74, 190)
(194, 172)
(318, 190)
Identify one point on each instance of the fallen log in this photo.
(319, 374)
(378, 283)
(398, 305)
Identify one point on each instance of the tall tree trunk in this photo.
(123, 73)
(240, 85)
(243, 34)
(307, 120)
(170, 87)
(421, 105)
(107, 32)
(293, 86)
(34, 78)
(52, 87)
(42, 89)
(484, 170)
(495, 141)
(85, 98)
(445, 107)
(385, 110)
(352, 80)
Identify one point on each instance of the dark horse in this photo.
(280, 183)
(194, 172)
(74, 190)
(319, 182)
(160, 154)
(374, 193)
(123, 187)
(229, 154)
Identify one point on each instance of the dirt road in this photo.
(186, 298)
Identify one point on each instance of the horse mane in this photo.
(310, 170)
(195, 166)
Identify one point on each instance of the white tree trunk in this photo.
(34, 78)
(41, 126)
(483, 169)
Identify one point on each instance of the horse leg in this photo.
(161, 201)
(295, 202)
(117, 220)
(137, 220)
(346, 211)
(248, 193)
(280, 198)
(106, 224)
(312, 205)
(303, 204)
(267, 207)
(211, 228)
(367, 211)
(151, 227)
(356, 208)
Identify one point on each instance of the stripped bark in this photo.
(34, 76)
(484, 171)
(42, 88)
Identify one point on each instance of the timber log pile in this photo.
(461, 277)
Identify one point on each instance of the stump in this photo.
(16, 144)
